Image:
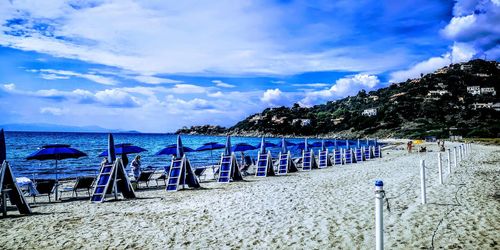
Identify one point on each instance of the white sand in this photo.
(321, 209)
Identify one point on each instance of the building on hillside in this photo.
(488, 91)
(474, 90)
(465, 66)
(369, 112)
(373, 97)
(482, 105)
(393, 97)
(435, 93)
(279, 120)
(441, 85)
(482, 75)
(302, 122)
(337, 120)
(496, 106)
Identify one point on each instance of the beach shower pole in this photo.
(440, 169)
(422, 181)
(455, 156)
(449, 161)
(379, 215)
(460, 152)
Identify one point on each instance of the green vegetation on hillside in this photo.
(436, 104)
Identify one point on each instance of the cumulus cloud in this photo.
(222, 84)
(188, 89)
(475, 22)
(342, 87)
(9, 86)
(460, 52)
(274, 97)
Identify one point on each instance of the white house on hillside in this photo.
(370, 112)
(474, 90)
(488, 90)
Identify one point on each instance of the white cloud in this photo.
(151, 38)
(311, 85)
(53, 74)
(342, 87)
(188, 89)
(154, 79)
(475, 23)
(274, 97)
(222, 84)
(9, 86)
(53, 111)
(460, 52)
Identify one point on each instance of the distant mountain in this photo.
(45, 127)
(460, 99)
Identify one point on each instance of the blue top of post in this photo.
(379, 183)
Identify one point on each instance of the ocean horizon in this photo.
(20, 144)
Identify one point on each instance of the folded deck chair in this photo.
(43, 188)
(82, 182)
(144, 177)
(199, 172)
(163, 176)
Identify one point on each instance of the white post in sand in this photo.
(440, 169)
(422, 181)
(449, 161)
(455, 156)
(379, 214)
(460, 152)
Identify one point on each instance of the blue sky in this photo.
(155, 66)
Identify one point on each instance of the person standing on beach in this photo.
(409, 146)
(136, 166)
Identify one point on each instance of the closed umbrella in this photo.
(56, 152)
(111, 149)
(3, 150)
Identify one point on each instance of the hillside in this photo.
(460, 99)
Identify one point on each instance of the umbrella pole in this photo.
(57, 183)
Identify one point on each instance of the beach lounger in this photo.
(82, 182)
(44, 188)
(163, 176)
(200, 172)
(144, 177)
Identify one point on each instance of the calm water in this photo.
(21, 144)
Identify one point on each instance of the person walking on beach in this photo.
(409, 146)
(136, 166)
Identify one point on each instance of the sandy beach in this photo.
(321, 209)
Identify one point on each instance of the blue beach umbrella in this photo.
(240, 147)
(210, 146)
(323, 144)
(266, 144)
(302, 145)
(172, 150)
(3, 149)
(124, 148)
(56, 152)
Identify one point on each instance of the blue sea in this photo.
(21, 144)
